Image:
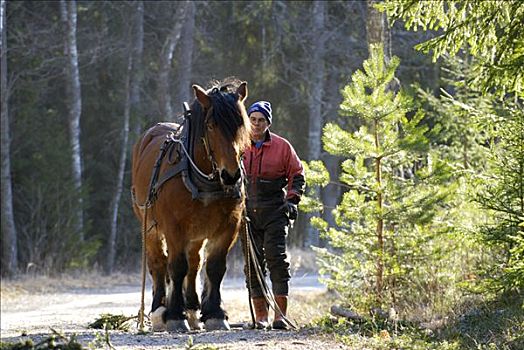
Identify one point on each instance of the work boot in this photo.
(261, 313)
(278, 321)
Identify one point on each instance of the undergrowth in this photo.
(55, 341)
(113, 322)
(101, 340)
(497, 325)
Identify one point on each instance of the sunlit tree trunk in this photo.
(166, 58)
(315, 99)
(378, 33)
(376, 28)
(186, 57)
(331, 192)
(380, 220)
(132, 84)
(68, 11)
(9, 237)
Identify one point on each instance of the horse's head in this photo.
(226, 128)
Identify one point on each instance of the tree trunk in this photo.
(376, 27)
(378, 33)
(68, 10)
(9, 237)
(132, 84)
(315, 101)
(166, 58)
(186, 57)
(331, 193)
(380, 220)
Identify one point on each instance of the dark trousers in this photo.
(269, 229)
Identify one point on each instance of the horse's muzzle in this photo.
(229, 180)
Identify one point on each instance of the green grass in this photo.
(496, 324)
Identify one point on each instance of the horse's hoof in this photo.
(193, 320)
(177, 326)
(216, 324)
(157, 322)
(280, 324)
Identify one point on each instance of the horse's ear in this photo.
(202, 96)
(242, 92)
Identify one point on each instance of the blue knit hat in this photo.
(263, 107)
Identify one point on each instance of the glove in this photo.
(292, 210)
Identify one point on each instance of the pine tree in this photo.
(384, 218)
(502, 195)
(492, 33)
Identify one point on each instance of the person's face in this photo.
(259, 125)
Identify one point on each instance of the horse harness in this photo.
(203, 187)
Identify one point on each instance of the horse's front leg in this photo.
(175, 314)
(213, 316)
(190, 289)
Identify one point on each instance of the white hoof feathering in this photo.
(157, 323)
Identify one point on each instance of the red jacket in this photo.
(270, 169)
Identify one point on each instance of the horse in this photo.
(188, 193)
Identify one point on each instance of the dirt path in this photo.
(29, 311)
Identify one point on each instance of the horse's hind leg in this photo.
(157, 264)
(192, 301)
(213, 316)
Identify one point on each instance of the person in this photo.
(275, 183)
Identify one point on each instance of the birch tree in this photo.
(132, 99)
(9, 236)
(69, 18)
(185, 65)
(166, 58)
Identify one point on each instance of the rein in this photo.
(250, 258)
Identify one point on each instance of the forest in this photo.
(408, 116)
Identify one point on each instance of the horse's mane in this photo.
(229, 115)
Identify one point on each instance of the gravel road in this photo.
(68, 310)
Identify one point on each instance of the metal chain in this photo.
(207, 176)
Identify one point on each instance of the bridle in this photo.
(209, 152)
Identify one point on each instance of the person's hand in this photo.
(293, 210)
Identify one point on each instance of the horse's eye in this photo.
(210, 126)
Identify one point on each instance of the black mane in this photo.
(226, 114)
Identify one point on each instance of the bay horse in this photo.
(196, 208)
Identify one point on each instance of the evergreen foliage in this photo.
(491, 31)
(386, 242)
(502, 194)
